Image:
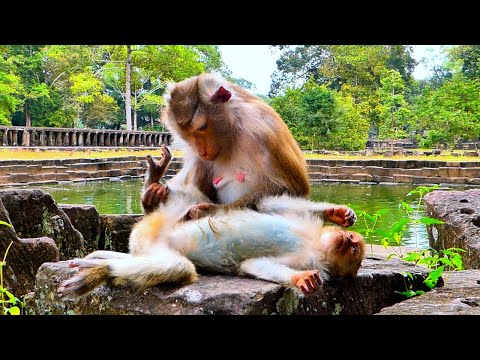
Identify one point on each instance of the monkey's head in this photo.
(344, 251)
(197, 111)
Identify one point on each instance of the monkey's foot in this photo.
(198, 211)
(156, 169)
(91, 274)
(308, 282)
(154, 195)
(166, 154)
(341, 215)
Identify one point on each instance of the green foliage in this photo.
(351, 127)
(11, 305)
(84, 85)
(10, 89)
(319, 117)
(394, 110)
(437, 261)
(451, 112)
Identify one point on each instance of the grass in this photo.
(37, 154)
(444, 157)
(40, 154)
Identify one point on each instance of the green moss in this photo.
(288, 303)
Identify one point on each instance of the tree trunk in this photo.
(28, 118)
(128, 105)
(135, 112)
(134, 119)
(151, 122)
(28, 123)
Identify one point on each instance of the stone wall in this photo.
(352, 171)
(57, 137)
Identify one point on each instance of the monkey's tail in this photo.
(163, 266)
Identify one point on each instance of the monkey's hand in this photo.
(154, 195)
(341, 215)
(157, 169)
(200, 210)
(308, 282)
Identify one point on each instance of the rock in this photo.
(374, 289)
(460, 210)
(24, 256)
(115, 231)
(85, 218)
(459, 296)
(34, 213)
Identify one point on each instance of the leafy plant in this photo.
(370, 222)
(436, 261)
(12, 305)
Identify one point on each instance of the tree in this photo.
(351, 130)
(468, 57)
(10, 88)
(394, 109)
(450, 113)
(28, 66)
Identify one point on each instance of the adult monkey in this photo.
(237, 149)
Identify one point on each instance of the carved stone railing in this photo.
(58, 137)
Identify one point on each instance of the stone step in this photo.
(459, 296)
(374, 288)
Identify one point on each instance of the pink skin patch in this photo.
(217, 180)
(240, 176)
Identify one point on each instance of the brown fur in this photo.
(340, 259)
(244, 126)
(81, 285)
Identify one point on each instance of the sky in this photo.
(256, 63)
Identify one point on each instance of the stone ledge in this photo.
(459, 296)
(368, 293)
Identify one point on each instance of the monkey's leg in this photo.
(106, 254)
(164, 265)
(155, 193)
(264, 268)
(156, 170)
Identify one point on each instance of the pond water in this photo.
(123, 197)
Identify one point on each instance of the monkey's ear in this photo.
(221, 95)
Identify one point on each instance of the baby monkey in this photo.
(285, 241)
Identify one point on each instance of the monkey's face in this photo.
(197, 113)
(344, 251)
(204, 140)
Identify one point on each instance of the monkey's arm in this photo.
(264, 268)
(247, 201)
(284, 205)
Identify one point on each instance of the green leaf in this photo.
(400, 225)
(382, 212)
(435, 274)
(11, 298)
(419, 292)
(5, 223)
(14, 310)
(370, 218)
(408, 294)
(430, 221)
(453, 250)
(406, 206)
(457, 262)
(446, 261)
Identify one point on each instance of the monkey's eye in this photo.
(354, 249)
(203, 127)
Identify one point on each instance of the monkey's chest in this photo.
(232, 184)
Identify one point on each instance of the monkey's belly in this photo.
(223, 242)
